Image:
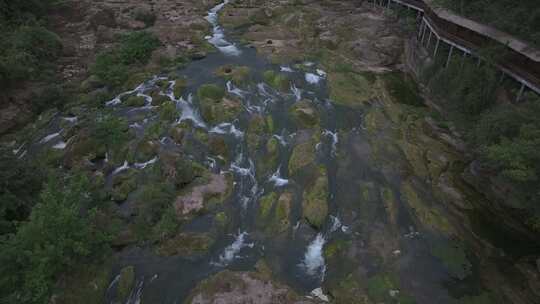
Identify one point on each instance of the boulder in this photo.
(186, 244)
(126, 282)
(315, 200)
(304, 114)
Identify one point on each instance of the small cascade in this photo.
(49, 137)
(146, 164)
(232, 251)
(124, 167)
(218, 36)
(277, 180)
(334, 140)
(313, 262)
(189, 112)
(296, 92)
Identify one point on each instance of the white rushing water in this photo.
(312, 78)
(49, 137)
(296, 92)
(334, 138)
(313, 262)
(189, 112)
(145, 164)
(227, 128)
(218, 36)
(338, 225)
(124, 167)
(286, 69)
(231, 88)
(60, 145)
(232, 251)
(277, 179)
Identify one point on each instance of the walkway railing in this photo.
(522, 66)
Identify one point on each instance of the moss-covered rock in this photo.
(240, 75)
(158, 99)
(215, 106)
(146, 150)
(123, 184)
(256, 132)
(384, 287)
(134, 101)
(274, 212)
(186, 244)
(126, 282)
(218, 146)
(315, 200)
(428, 215)
(303, 155)
(243, 287)
(276, 80)
(350, 89)
(168, 111)
(304, 114)
(180, 85)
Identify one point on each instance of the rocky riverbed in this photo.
(295, 162)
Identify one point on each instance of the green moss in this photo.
(186, 244)
(302, 156)
(378, 287)
(265, 205)
(210, 91)
(429, 216)
(168, 111)
(270, 123)
(238, 74)
(350, 89)
(332, 249)
(304, 114)
(179, 87)
(125, 283)
(221, 219)
(277, 80)
(454, 258)
(315, 205)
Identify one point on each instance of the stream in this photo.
(356, 213)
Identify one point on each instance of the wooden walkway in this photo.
(437, 26)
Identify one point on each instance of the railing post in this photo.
(429, 39)
(436, 47)
(520, 92)
(424, 33)
(449, 56)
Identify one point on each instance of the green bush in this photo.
(137, 47)
(109, 69)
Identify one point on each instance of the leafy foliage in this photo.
(20, 184)
(57, 235)
(135, 48)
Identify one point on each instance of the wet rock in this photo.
(315, 204)
(277, 81)
(204, 196)
(240, 75)
(104, 17)
(428, 215)
(256, 132)
(168, 111)
(350, 89)
(243, 287)
(384, 287)
(91, 83)
(303, 155)
(158, 99)
(274, 212)
(215, 106)
(416, 157)
(218, 146)
(126, 282)
(180, 85)
(186, 244)
(304, 114)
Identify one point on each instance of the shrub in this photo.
(109, 69)
(137, 47)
